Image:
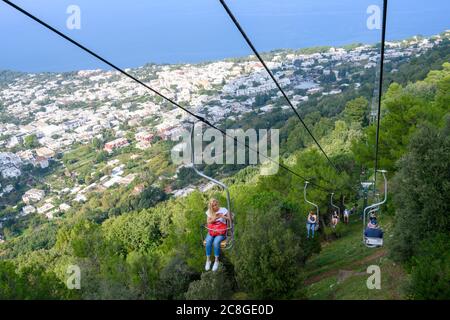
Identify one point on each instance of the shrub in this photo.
(211, 286)
(269, 258)
(422, 196)
(174, 280)
(430, 273)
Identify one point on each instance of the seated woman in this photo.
(334, 219)
(215, 215)
(311, 223)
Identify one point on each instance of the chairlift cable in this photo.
(380, 84)
(250, 44)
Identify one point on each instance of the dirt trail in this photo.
(380, 253)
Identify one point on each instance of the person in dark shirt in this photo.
(372, 229)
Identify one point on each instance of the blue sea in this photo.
(133, 33)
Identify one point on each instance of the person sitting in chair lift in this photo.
(372, 229)
(217, 228)
(334, 219)
(311, 223)
(346, 216)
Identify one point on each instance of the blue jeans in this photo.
(210, 241)
(312, 227)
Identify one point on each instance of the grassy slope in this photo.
(339, 270)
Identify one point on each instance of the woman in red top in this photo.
(215, 215)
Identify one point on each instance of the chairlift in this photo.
(316, 227)
(227, 243)
(334, 206)
(373, 242)
(346, 218)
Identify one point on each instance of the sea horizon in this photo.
(175, 32)
(106, 68)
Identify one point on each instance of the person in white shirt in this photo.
(217, 218)
(346, 215)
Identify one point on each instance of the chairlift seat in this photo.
(223, 244)
(372, 242)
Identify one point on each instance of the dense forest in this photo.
(153, 250)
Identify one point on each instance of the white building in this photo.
(64, 207)
(80, 198)
(33, 195)
(45, 152)
(10, 165)
(112, 181)
(45, 208)
(27, 210)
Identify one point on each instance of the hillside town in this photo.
(45, 115)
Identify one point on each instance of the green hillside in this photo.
(154, 251)
(340, 270)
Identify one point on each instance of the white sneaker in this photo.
(215, 266)
(208, 265)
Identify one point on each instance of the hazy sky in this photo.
(132, 33)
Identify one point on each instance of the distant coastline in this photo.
(306, 50)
